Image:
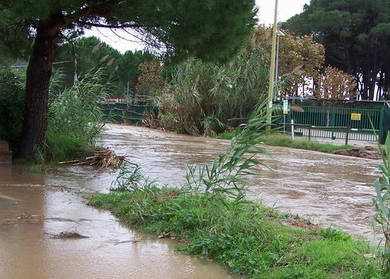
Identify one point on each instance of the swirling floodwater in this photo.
(330, 190)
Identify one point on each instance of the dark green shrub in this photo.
(11, 106)
(75, 118)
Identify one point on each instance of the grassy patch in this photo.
(277, 139)
(246, 237)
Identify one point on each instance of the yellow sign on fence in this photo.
(356, 116)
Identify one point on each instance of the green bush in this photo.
(75, 119)
(203, 99)
(11, 106)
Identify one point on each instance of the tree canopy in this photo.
(356, 36)
(300, 59)
(211, 29)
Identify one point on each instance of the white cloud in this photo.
(287, 8)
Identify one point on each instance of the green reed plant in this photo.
(187, 100)
(75, 119)
(382, 202)
(130, 178)
(203, 99)
(225, 175)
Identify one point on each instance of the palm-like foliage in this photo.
(203, 98)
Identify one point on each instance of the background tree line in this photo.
(202, 98)
(356, 37)
(119, 71)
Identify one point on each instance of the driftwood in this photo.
(102, 158)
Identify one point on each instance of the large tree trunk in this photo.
(39, 72)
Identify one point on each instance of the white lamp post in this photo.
(272, 70)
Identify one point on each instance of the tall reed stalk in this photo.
(225, 174)
(382, 202)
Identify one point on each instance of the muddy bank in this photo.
(367, 152)
(36, 211)
(331, 190)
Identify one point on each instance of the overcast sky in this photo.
(287, 8)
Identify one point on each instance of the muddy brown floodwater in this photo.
(331, 190)
(35, 209)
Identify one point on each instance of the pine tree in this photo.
(356, 36)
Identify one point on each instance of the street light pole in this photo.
(272, 69)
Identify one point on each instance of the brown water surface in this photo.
(34, 209)
(331, 190)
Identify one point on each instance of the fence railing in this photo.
(343, 134)
(337, 123)
(126, 113)
(322, 122)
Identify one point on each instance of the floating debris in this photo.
(102, 158)
(69, 235)
(127, 241)
(24, 218)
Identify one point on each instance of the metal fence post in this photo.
(347, 135)
(292, 129)
(382, 132)
(309, 133)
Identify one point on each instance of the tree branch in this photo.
(111, 26)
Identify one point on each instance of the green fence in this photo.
(126, 113)
(357, 121)
(386, 124)
(337, 122)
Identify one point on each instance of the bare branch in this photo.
(111, 26)
(123, 38)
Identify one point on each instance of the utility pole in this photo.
(272, 69)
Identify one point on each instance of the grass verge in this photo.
(247, 237)
(277, 139)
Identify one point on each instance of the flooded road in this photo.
(36, 209)
(330, 190)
